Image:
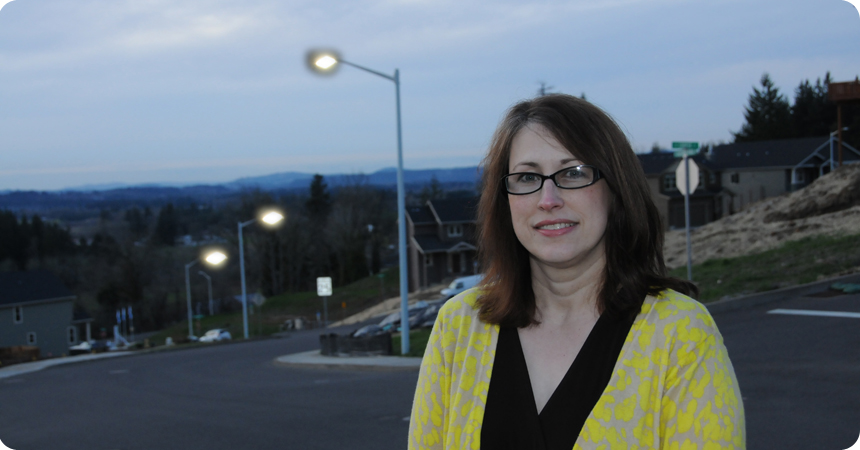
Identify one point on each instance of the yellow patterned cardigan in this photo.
(673, 386)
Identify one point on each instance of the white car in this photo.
(216, 335)
(461, 284)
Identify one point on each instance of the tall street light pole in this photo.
(327, 62)
(209, 282)
(271, 219)
(213, 258)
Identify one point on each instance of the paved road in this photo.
(799, 375)
(223, 397)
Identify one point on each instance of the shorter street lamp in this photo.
(213, 258)
(270, 218)
(832, 135)
(209, 282)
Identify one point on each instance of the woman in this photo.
(577, 338)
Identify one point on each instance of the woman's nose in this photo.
(550, 196)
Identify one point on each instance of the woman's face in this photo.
(559, 227)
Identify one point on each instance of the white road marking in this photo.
(810, 312)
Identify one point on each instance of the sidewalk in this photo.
(314, 360)
(35, 366)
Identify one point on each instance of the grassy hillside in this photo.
(795, 262)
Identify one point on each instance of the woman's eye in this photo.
(527, 178)
(573, 174)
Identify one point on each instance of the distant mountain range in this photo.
(122, 195)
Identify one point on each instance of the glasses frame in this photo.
(597, 176)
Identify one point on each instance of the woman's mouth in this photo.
(556, 226)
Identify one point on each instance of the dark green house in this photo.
(37, 309)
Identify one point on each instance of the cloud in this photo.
(2, 4)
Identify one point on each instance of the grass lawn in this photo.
(794, 263)
(344, 302)
(417, 342)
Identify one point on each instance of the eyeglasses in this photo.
(575, 177)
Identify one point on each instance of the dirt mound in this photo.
(834, 192)
(828, 206)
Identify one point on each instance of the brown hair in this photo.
(634, 232)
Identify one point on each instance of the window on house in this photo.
(712, 178)
(31, 338)
(799, 176)
(736, 178)
(669, 182)
(455, 230)
(73, 335)
(18, 314)
(428, 260)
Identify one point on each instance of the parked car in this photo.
(82, 348)
(216, 335)
(427, 317)
(461, 284)
(369, 330)
(392, 321)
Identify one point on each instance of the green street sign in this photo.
(681, 153)
(686, 145)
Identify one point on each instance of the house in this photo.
(37, 309)
(705, 203)
(441, 241)
(732, 176)
(752, 171)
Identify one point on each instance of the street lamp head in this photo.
(323, 62)
(272, 217)
(215, 258)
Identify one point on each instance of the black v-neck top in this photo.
(511, 420)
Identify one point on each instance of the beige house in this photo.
(733, 176)
(441, 241)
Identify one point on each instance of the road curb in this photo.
(751, 301)
(35, 366)
(313, 360)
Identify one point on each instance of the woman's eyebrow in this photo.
(528, 164)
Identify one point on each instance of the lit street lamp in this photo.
(209, 282)
(270, 218)
(326, 62)
(213, 258)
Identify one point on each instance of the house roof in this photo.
(420, 214)
(455, 210)
(773, 153)
(432, 244)
(655, 163)
(31, 286)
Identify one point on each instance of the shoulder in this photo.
(463, 304)
(678, 316)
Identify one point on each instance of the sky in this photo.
(206, 91)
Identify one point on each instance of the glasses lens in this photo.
(523, 183)
(575, 177)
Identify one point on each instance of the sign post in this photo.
(324, 291)
(684, 179)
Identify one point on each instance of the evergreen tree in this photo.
(432, 191)
(319, 203)
(812, 114)
(768, 115)
(166, 226)
(136, 221)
